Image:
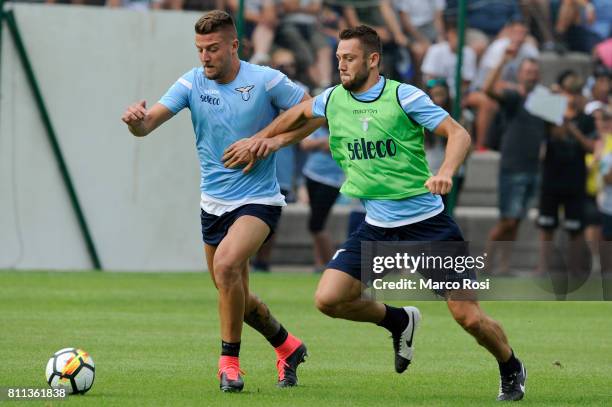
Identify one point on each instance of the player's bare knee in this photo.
(470, 321)
(472, 324)
(227, 273)
(469, 317)
(326, 304)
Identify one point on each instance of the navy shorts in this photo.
(438, 228)
(214, 228)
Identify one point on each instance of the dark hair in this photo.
(601, 71)
(214, 21)
(571, 82)
(450, 24)
(564, 75)
(368, 38)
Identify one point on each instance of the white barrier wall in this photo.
(140, 196)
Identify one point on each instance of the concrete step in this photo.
(552, 64)
(480, 185)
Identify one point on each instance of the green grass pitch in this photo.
(154, 338)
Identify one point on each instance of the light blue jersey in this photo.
(285, 161)
(420, 108)
(224, 113)
(320, 166)
(285, 167)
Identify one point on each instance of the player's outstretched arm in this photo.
(457, 147)
(289, 120)
(262, 147)
(141, 121)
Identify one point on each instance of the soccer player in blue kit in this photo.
(230, 99)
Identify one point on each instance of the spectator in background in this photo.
(332, 23)
(515, 34)
(564, 173)
(260, 25)
(441, 60)
(598, 89)
(485, 19)
(284, 60)
(538, 16)
(323, 181)
(575, 21)
(383, 19)
(520, 148)
(602, 26)
(599, 92)
(300, 30)
(604, 126)
(424, 23)
(603, 146)
(439, 92)
(604, 151)
(332, 18)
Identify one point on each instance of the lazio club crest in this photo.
(245, 92)
(365, 123)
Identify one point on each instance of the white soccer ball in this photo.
(71, 369)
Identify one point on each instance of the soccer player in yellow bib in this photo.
(376, 136)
